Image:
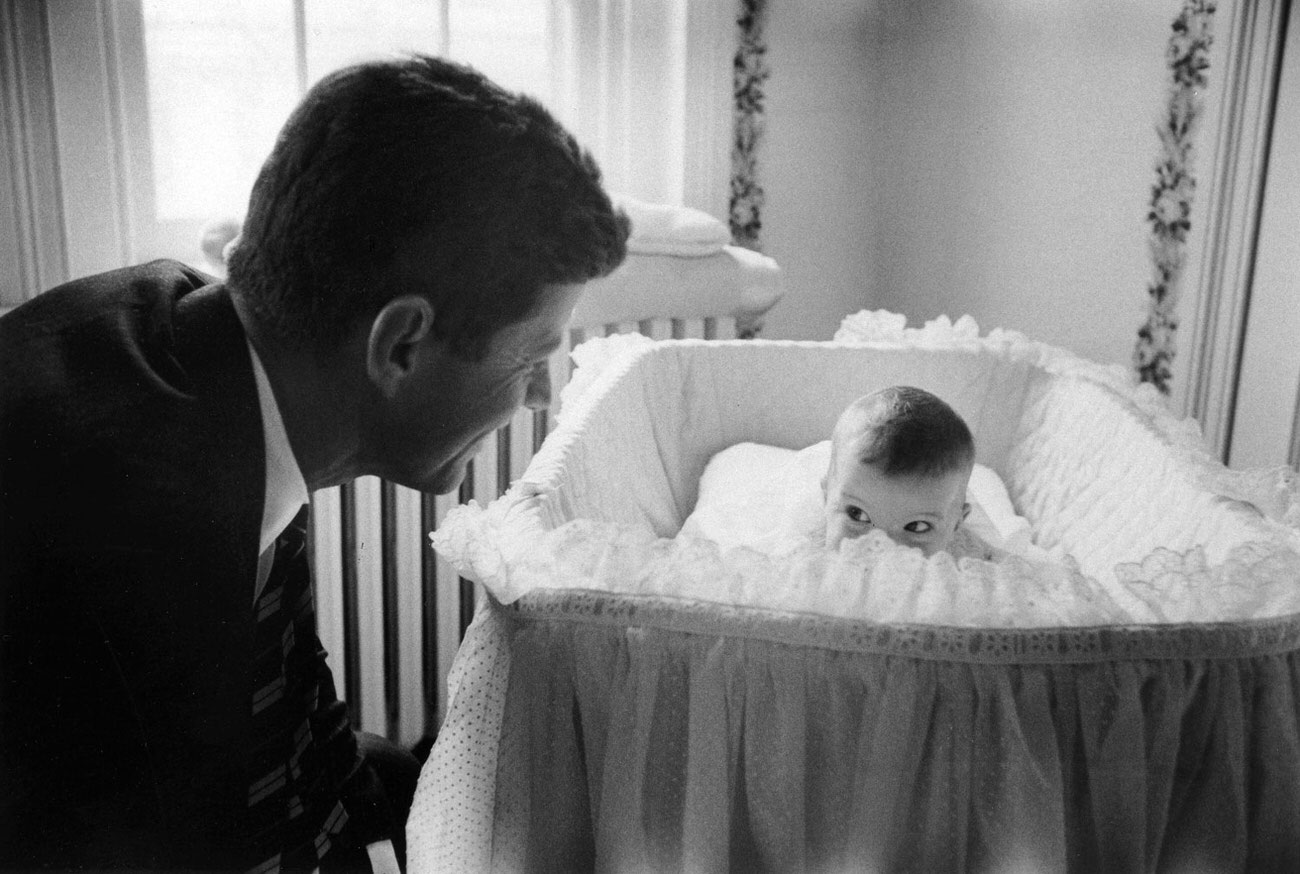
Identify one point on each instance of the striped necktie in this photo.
(290, 832)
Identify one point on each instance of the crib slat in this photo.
(561, 365)
(465, 595)
(388, 595)
(445, 624)
(468, 601)
(683, 329)
(485, 471)
(504, 448)
(543, 421)
(406, 643)
(725, 328)
(656, 329)
(432, 681)
(464, 590)
(327, 576)
(612, 328)
(521, 442)
(351, 687)
(564, 372)
(370, 604)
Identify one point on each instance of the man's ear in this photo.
(396, 335)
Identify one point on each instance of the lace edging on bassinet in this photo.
(997, 646)
(869, 579)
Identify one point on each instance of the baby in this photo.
(901, 460)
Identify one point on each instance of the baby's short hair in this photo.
(905, 430)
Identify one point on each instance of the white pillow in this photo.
(666, 229)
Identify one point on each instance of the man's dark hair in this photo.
(419, 175)
(904, 430)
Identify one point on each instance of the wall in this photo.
(948, 157)
(1266, 421)
(818, 164)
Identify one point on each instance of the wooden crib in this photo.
(391, 614)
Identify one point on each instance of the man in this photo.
(413, 248)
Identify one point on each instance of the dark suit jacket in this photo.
(131, 490)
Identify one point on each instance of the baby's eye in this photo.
(918, 527)
(857, 514)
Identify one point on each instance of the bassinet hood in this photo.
(1154, 530)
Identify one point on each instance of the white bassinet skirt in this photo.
(632, 701)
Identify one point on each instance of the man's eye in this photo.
(857, 514)
(918, 527)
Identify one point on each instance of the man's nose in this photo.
(538, 396)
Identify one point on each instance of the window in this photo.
(165, 109)
(222, 78)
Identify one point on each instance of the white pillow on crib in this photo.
(666, 229)
(770, 498)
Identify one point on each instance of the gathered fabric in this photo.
(632, 697)
(638, 736)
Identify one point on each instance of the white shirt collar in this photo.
(286, 490)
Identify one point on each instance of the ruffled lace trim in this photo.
(507, 548)
(1003, 646)
(869, 579)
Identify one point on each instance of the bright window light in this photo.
(222, 77)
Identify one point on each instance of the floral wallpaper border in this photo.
(1188, 56)
(749, 73)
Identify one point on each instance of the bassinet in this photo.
(628, 702)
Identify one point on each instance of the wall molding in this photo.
(1235, 198)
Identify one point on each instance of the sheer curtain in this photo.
(158, 113)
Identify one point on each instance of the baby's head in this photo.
(900, 461)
